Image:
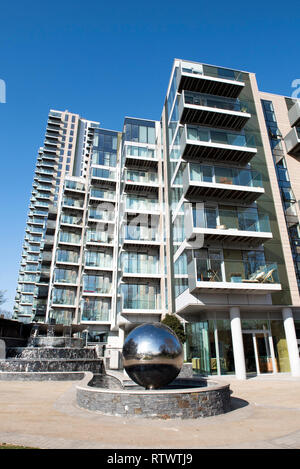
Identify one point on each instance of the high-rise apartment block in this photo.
(196, 214)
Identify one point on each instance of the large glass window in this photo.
(140, 296)
(97, 283)
(96, 309)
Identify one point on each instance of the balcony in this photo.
(294, 114)
(138, 156)
(73, 203)
(67, 257)
(74, 186)
(102, 194)
(218, 183)
(210, 80)
(89, 315)
(232, 276)
(99, 238)
(140, 181)
(69, 238)
(140, 269)
(64, 277)
(139, 204)
(139, 236)
(212, 111)
(106, 176)
(148, 305)
(225, 225)
(70, 220)
(292, 141)
(101, 216)
(198, 143)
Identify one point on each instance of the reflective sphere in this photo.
(152, 355)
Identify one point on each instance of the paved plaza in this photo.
(265, 415)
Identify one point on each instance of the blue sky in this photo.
(105, 60)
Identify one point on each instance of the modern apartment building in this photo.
(195, 214)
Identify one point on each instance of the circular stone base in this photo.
(189, 398)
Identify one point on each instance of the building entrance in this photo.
(259, 352)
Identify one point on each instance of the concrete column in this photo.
(291, 340)
(237, 343)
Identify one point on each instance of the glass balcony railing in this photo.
(65, 276)
(74, 185)
(72, 202)
(140, 268)
(245, 220)
(140, 233)
(141, 176)
(225, 175)
(63, 297)
(140, 203)
(89, 314)
(215, 72)
(71, 220)
(97, 284)
(61, 317)
(146, 303)
(102, 194)
(201, 134)
(67, 256)
(105, 215)
(103, 173)
(252, 272)
(99, 237)
(94, 260)
(69, 238)
(229, 104)
(142, 152)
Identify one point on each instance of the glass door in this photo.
(259, 352)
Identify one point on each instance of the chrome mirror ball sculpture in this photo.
(152, 355)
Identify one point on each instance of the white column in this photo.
(291, 340)
(237, 343)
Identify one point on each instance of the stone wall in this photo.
(182, 403)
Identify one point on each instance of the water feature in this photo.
(153, 358)
(47, 351)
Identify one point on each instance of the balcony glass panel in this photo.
(141, 203)
(216, 270)
(102, 194)
(97, 283)
(139, 263)
(143, 152)
(74, 185)
(141, 233)
(140, 296)
(61, 317)
(72, 202)
(71, 220)
(69, 237)
(98, 259)
(217, 136)
(225, 175)
(215, 102)
(65, 276)
(96, 236)
(67, 256)
(103, 173)
(96, 214)
(216, 72)
(104, 158)
(248, 219)
(96, 310)
(63, 296)
(140, 176)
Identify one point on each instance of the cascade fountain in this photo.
(51, 349)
